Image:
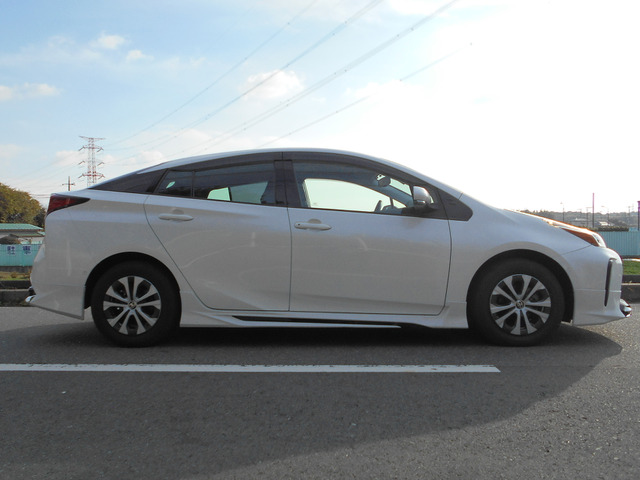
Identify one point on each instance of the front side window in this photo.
(254, 183)
(351, 188)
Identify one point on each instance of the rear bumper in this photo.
(65, 300)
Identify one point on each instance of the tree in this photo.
(17, 206)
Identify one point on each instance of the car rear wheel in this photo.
(517, 302)
(134, 304)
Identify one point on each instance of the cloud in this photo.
(9, 151)
(27, 90)
(6, 93)
(270, 85)
(109, 42)
(67, 158)
(135, 55)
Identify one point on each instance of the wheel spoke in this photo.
(125, 324)
(530, 327)
(516, 330)
(538, 287)
(546, 303)
(149, 299)
(114, 321)
(501, 320)
(115, 296)
(512, 296)
(149, 320)
(542, 314)
(496, 309)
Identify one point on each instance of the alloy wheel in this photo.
(132, 305)
(520, 304)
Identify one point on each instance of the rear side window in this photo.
(179, 184)
(254, 183)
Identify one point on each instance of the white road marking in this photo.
(177, 368)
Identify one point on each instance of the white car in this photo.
(312, 238)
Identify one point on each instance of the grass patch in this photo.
(631, 267)
(13, 276)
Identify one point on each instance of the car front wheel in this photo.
(518, 302)
(134, 304)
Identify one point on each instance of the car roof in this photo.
(239, 153)
(211, 157)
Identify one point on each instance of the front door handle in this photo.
(312, 225)
(176, 217)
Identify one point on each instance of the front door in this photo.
(358, 247)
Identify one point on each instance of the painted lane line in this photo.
(178, 368)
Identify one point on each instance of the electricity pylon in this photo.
(92, 173)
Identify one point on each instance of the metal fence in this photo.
(627, 244)
(18, 255)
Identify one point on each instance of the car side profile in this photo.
(312, 238)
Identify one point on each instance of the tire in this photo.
(134, 304)
(517, 302)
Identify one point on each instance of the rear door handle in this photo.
(175, 217)
(312, 225)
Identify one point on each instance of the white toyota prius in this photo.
(312, 238)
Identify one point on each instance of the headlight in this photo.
(587, 235)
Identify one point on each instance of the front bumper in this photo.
(625, 308)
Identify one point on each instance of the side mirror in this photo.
(423, 202)
(421, 198)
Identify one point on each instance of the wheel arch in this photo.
(109, 262)
(548, 262)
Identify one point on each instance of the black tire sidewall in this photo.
(479, 314)
(169, 317)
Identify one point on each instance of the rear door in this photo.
(228, 232)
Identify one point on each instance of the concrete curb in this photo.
(631, 292)
(13, 297)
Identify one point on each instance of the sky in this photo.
(524, 104)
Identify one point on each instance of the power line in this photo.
(321, 83)
(363, 99)
(167, 138)
(219, 78)
(270, 112)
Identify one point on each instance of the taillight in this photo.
(58, 202)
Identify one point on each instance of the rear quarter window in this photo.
(132, 183)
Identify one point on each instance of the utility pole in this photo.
(92, 173)
(68, 184)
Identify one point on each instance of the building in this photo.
(25, 234)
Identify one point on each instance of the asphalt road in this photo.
(567, 409)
